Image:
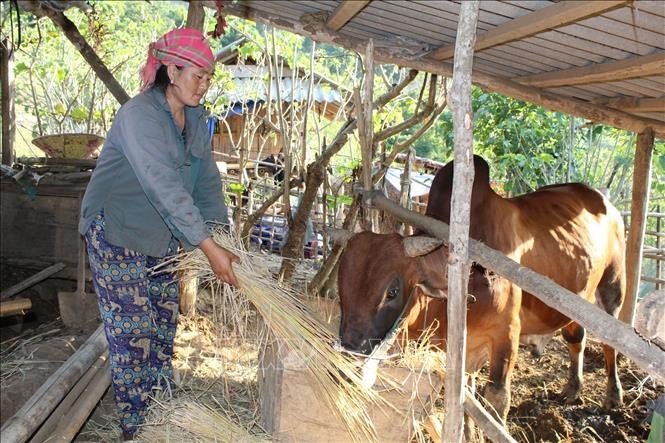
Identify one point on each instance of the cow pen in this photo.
(625, 67)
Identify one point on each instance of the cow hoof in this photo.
(613, 401)
(571, 395)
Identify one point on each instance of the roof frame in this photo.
(312, 26)
(634, 67)
(550, 17)
(345, 12)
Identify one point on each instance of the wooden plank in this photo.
(638, 222)
(551, 17)
(345, 13)
(458, 260)
(8, 113)
(33, 280)
(636, 67)
(13, 307)
(635, 104)
(596, 321)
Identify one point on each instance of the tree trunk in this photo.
(294, 243)
(196, 15)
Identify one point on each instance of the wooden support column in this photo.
(196, 15)
(8, 115)
(458, 261)
(638, 222)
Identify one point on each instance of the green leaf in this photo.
(60, 109)
(236, 188)
(19, 68)
(79, 114)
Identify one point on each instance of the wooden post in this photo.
(196, 15)
(458, 261)
(638, 222)
(8, 115)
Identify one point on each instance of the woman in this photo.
(154, 187)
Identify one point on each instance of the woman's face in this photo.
(189, 84)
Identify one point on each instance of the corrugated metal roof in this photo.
(611, 32)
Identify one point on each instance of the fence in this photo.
(653, 252)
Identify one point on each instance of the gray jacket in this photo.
(151, 183)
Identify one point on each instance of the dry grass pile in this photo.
(335, 376)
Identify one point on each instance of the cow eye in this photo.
(393, 291)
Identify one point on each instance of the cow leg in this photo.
(497, 389)
(610, 297)
(575, 336)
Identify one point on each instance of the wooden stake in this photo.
(458, 261)
(638, 222)
(196, 15)
(488, 424)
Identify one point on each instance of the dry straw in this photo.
(334, 375)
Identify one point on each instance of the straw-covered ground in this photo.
(217, 396)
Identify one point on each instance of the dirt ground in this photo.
(33, 347)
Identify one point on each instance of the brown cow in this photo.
(569, 233)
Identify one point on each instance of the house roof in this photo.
(602, 60)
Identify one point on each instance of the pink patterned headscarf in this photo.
(182, 47)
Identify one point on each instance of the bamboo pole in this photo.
(25, 422)
(13, 307)
(638, 222)
(73, 421)
(45, 432)
(596, 321)
(460, 217)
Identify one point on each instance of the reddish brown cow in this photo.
(569, 233)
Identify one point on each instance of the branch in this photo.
(74, 36)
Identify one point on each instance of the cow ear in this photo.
(431, 291)
(420, 245)
(339, 236)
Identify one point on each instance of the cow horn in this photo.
(420, 245)
(339, 236)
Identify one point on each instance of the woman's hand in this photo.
(221, 261)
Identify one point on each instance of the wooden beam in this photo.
(485, 421)
(490, 83)
(74, 36)
(196, 15)
(638, 222)
(460, 217)
(32, 280)
(595, 320)
(550, 17)
(634, 104)
(8, 114)
(634, 67)
(344, 13)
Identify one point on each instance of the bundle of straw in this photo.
(189, 420)
(334, 374)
